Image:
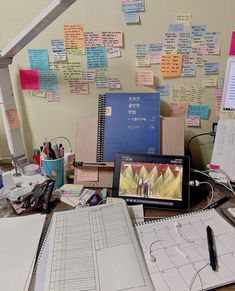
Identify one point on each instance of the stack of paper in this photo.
(70, 194)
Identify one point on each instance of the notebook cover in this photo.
(128, 122)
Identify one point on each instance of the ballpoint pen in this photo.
(218, 202)
(211, 248)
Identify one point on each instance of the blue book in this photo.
(128, 123)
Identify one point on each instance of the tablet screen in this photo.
(152, 180)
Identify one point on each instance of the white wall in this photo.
(40, 119)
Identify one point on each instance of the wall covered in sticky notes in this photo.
(178, 48)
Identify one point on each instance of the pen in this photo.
(80, 164)
(218, 202)
(211, 248)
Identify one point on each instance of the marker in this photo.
(218, 202)
(211, 248)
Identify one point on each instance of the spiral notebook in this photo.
(93, 248)
(128, 122)
(176, 251)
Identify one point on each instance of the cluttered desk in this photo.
(111, 245)
(135, 224)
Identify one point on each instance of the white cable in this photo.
(228, 187)
(212, 194)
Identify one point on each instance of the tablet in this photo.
(156, 181)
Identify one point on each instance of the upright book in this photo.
(128, 122)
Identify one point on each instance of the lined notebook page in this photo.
(95, 248)
(179, 245)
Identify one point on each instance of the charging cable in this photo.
(196, 183)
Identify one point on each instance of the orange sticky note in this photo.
(171, 65)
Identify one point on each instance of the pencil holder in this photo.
(55, 170)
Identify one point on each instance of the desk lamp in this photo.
(7, 101)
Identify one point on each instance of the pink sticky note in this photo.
(232, 45)
(29, 79)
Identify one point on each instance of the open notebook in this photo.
(93, 248)
(180, 254)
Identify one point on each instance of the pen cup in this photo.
(55, 170)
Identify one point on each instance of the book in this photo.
(94, 248)
(128, 122)
(177, 255)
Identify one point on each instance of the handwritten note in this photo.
(59, 56)
(93, 39)
(199, 110)
(48, 80)
(211, 68)
(212, 45)
(171, 65)
(209, 80)
(175, 27)
(144, 77)
(101, 78)
(113, 52)
(52, 96)
(73, 36)
(71, 71)
(132, 17)
(84, 175)
(143, 61)
(57, 45)
(132, 5)
(164, 90)
(88, 76)
(114, 83)
(96, 58)
(13, 118)
(193, 121)
(79, 87)
(38, 59)
(185, 18)
(112, 39)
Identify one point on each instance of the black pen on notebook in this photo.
(218, 202)
(211, 248)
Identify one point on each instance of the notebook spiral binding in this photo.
(42, 242)
(100, 129)
(172, 217)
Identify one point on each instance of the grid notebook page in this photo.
(179, 250)
(95, 248)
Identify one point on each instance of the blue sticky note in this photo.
(57, 45)
(211, 68)
(38, 59)
(133, 7)
(176, 27)
(198, 30)
(132, 17)
(163, 90)
(155, 48)
(48, 81)
(199, 110)
(96, 57)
